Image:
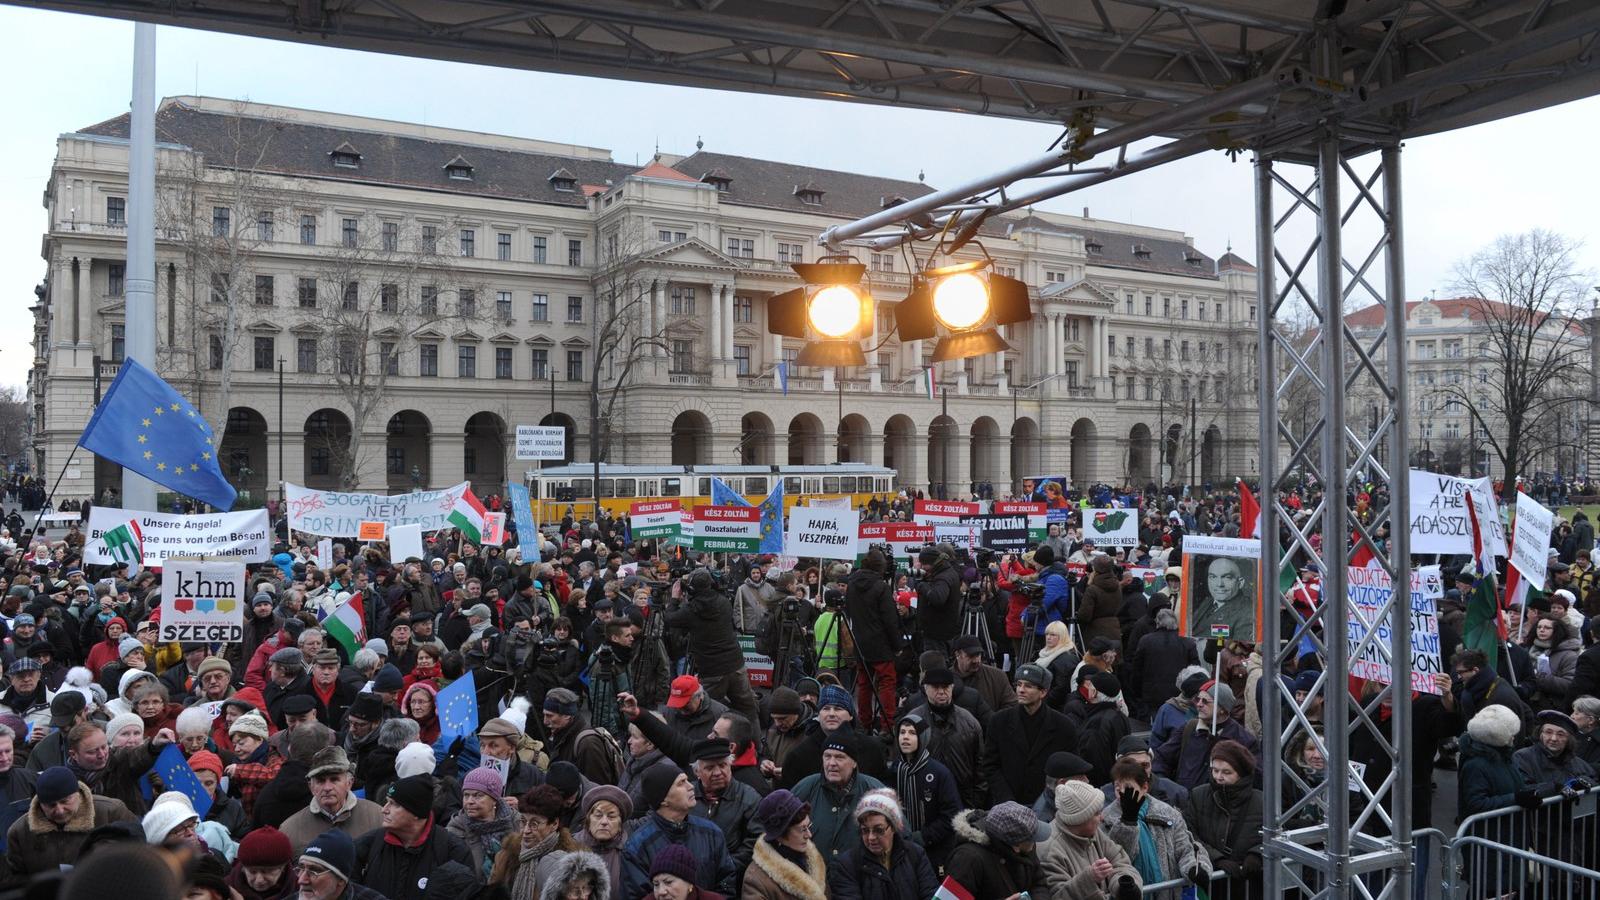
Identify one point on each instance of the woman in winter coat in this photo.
(577, 876)
(1486, 781)
(786, 865)
(604, 818)
(1061, 657)
(1097, 611)
(485, 819)
(1152, 833)
(421, 705)
(1225, 816)
(1550, 767)
(1555, 652)
(1179, 708)
(527, 857)
(994, 854)
(885, 865)
(1155, 662)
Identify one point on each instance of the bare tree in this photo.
(1531, 367)
(624, 332)
(14, 423)
(1192, 374)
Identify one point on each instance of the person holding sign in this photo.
(1224, 596)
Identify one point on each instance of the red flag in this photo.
(1249, 513)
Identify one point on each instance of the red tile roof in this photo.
(1449, 307)
(657, 170)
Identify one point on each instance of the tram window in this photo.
(671, 487)
(705, 488)
(830, 484)
(734, 484)
(627, 487)
(847, 484)
(883, 486)
(647, 487)
(582, 488)
(754, 485)
(533, 490)
(812, 485)
(791, 485)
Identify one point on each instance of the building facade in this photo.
(373, 304)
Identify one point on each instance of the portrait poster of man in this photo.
(1221, 587)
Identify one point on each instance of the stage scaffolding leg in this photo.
(1336, 194)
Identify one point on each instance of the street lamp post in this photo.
(280, 427)
(1039, 440)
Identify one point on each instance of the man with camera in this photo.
(939, 601)
(870, 605)
(714, 651)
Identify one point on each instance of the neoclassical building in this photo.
(371, 303)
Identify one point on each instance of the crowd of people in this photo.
(1026, 724)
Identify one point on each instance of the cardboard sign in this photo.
(372, 531)
(729, 529)
(1530, 539)
(1112, 527)
(405, 542)
(494, 529)
(1219, 596)
(202, 601)
(1369, 589)
(115, 535)
(541, 442)
(1438, 514)
(822, 532)
(325, 554)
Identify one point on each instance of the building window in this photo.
(469, 242)
(1252, 312)
(391, 237)
(349, 359)
(119, 342)
(466, 361)
(1149, 348)
(308, 230)
(1200, 310)
(430, 300)
(1183, 351)
(388, 358)
(1216, 313)
(221, 221)
(1128, 388)
(266, 288)
(574, 253)
(1051, 276)
(1183, 309)
(682, 301)
(305, 355)
(502, 305)
(1166, 307)
(430, 239)
(540, 249)
(742, 247)
(741, 359)
(352, 294)
(264, 226)
(574, 309)
(1148, 300)
(219, 287)
(264, 352)
(428, 360)
(308, 293)
(682, 355)
(883, 262)
(469, 461)
(319, 461)
(389, 298)
(1111, 344)
(744, 310)
(396, 460)
(886, 366)
(1127, 345)
(791, 360)
(541, 307)
(467, 304)
(215, 345)
(541, 363)
(458, 170)
(116, 279)
(116, 210)
(1166, 348)
(503, 245)
(1149, 388)
(502, 362)
(1072, 373)
(348, 232)
(574, 365)
(791, 253)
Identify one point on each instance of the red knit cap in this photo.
(265, 847)
(205, 760)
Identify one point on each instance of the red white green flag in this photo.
(347, 625)
(467, 514)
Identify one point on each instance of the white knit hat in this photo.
(414, 759)
(1077, 802)
(163, 817)
(120, 722)
(250, 723)
(885, 802)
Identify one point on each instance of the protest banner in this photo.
(541, 442)
(1530, 539)
(658, 519)
(1368, 590)
(828, 503)
(961, 537)
(1438, 514)
(905, 540)
(930, 512)
(729, 529)
(340, 513)
(1206, 545)
(494, 529)
(685, 529)
(202, 601)
(1037, 515)
(157, 536)
(824, 533)
(758, 667)
(372, 531)
(1153, 580)
(1003, 534)
(1111, 527)
(521, 506)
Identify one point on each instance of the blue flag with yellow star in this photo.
(771, 511)
(144, 425)
(458, 707)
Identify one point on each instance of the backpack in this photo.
(614, 759)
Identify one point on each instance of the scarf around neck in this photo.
(906, 775)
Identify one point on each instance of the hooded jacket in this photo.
(987, 869)
(568, 868)
(1097, 611)
(1066, 863)
(772, 876)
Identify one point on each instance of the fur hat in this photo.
(1495, 726)
(1237, 756)
(1077, 802)
(885, 802)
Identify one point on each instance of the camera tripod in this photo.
(975, 619)
(790, 631)
(858, 670)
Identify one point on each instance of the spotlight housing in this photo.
(832, 313)
(962, 305)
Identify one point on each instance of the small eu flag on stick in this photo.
(458, 707)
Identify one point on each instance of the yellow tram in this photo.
(561, 490)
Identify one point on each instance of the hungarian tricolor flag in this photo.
(1483, 629)
(1249, 512)
(952, 889)
(347, 625)
(467, 515)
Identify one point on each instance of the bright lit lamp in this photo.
(962, 304)
(832, 313)
(960, 301)
(835, 311)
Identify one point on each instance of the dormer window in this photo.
(719, 179)
(458, 169)
(1141, 251)
(563, 181)
(345, 157)
(891, 200)
(1094, 247)
(809, 194)
(1193, 259)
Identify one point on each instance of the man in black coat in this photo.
(286, 677)
(875, 622)
(397, 859)
(1020, 739)
(835, 714)
(938, 602)
(714, 644)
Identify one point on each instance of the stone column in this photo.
(658, 314)
(447, 456)
(872, 448)
(80, 290)
(913, 464)
(999, 474)
(1058, 344)
(714, 348)
(727, 321)
(960, 461)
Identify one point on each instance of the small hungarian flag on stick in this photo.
(347, 625)
(467, 515)
(952, 889)
(1249, 512)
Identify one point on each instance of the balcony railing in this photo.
(690, 379)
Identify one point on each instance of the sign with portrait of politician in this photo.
(1220, 594)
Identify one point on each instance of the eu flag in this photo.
(458, 707)
(176, 775)
(146, 426)
(771, 511)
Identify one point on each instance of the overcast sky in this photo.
(67, 72)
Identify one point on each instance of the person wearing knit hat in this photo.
(809, 689)
(879, 827)
(667, 821)
(124, 870)
(251, 724)
(225, 811)
(1080, 858)
(415, 758)
(656, 782)
(327, 866)
(1185, 755)
(171, 822)
(995, 846)
(836, 696)
(261, 867)
(485, 819)
(602, 826)
(673, 863)
(398, 858)
(785, 702)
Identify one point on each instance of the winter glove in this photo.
(1229, 868)
(1199, 876)
(1131, 801)
(1527, 798)
(1127, 888)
